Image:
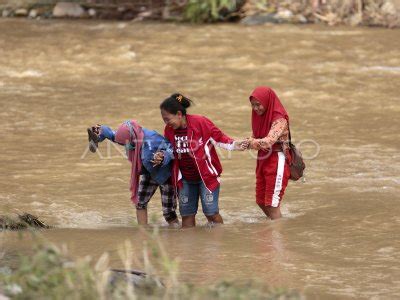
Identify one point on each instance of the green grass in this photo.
(50, 273)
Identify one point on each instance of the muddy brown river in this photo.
(339, 237)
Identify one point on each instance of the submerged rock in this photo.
(135, 278)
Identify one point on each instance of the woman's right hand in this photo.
(158, 158)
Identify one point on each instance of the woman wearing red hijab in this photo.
(270, 123)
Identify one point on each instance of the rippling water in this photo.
(340, 86)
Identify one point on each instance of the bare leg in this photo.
(274, 212)
(189, 221)
(271, 212)
(141, 215)
(217, 218)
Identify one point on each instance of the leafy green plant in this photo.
(49, 273)
(209, 10)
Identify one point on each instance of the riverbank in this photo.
(384, 13)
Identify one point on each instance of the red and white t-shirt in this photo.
(186, 162)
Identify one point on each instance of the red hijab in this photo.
(131, 133)
(273, 110)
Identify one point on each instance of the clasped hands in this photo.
(252, 143)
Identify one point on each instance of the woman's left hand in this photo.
(254, 144)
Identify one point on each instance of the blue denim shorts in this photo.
(189, 199)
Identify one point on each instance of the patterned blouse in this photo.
(279, 132)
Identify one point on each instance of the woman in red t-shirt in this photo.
(196, 169)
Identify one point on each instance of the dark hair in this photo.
(176, 102)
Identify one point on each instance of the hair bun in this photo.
(176, 102)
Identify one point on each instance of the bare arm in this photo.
(278, 128)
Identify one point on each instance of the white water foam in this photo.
(128, 55)
(382, 68)
(24, 74)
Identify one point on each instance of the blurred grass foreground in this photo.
(50, 273)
